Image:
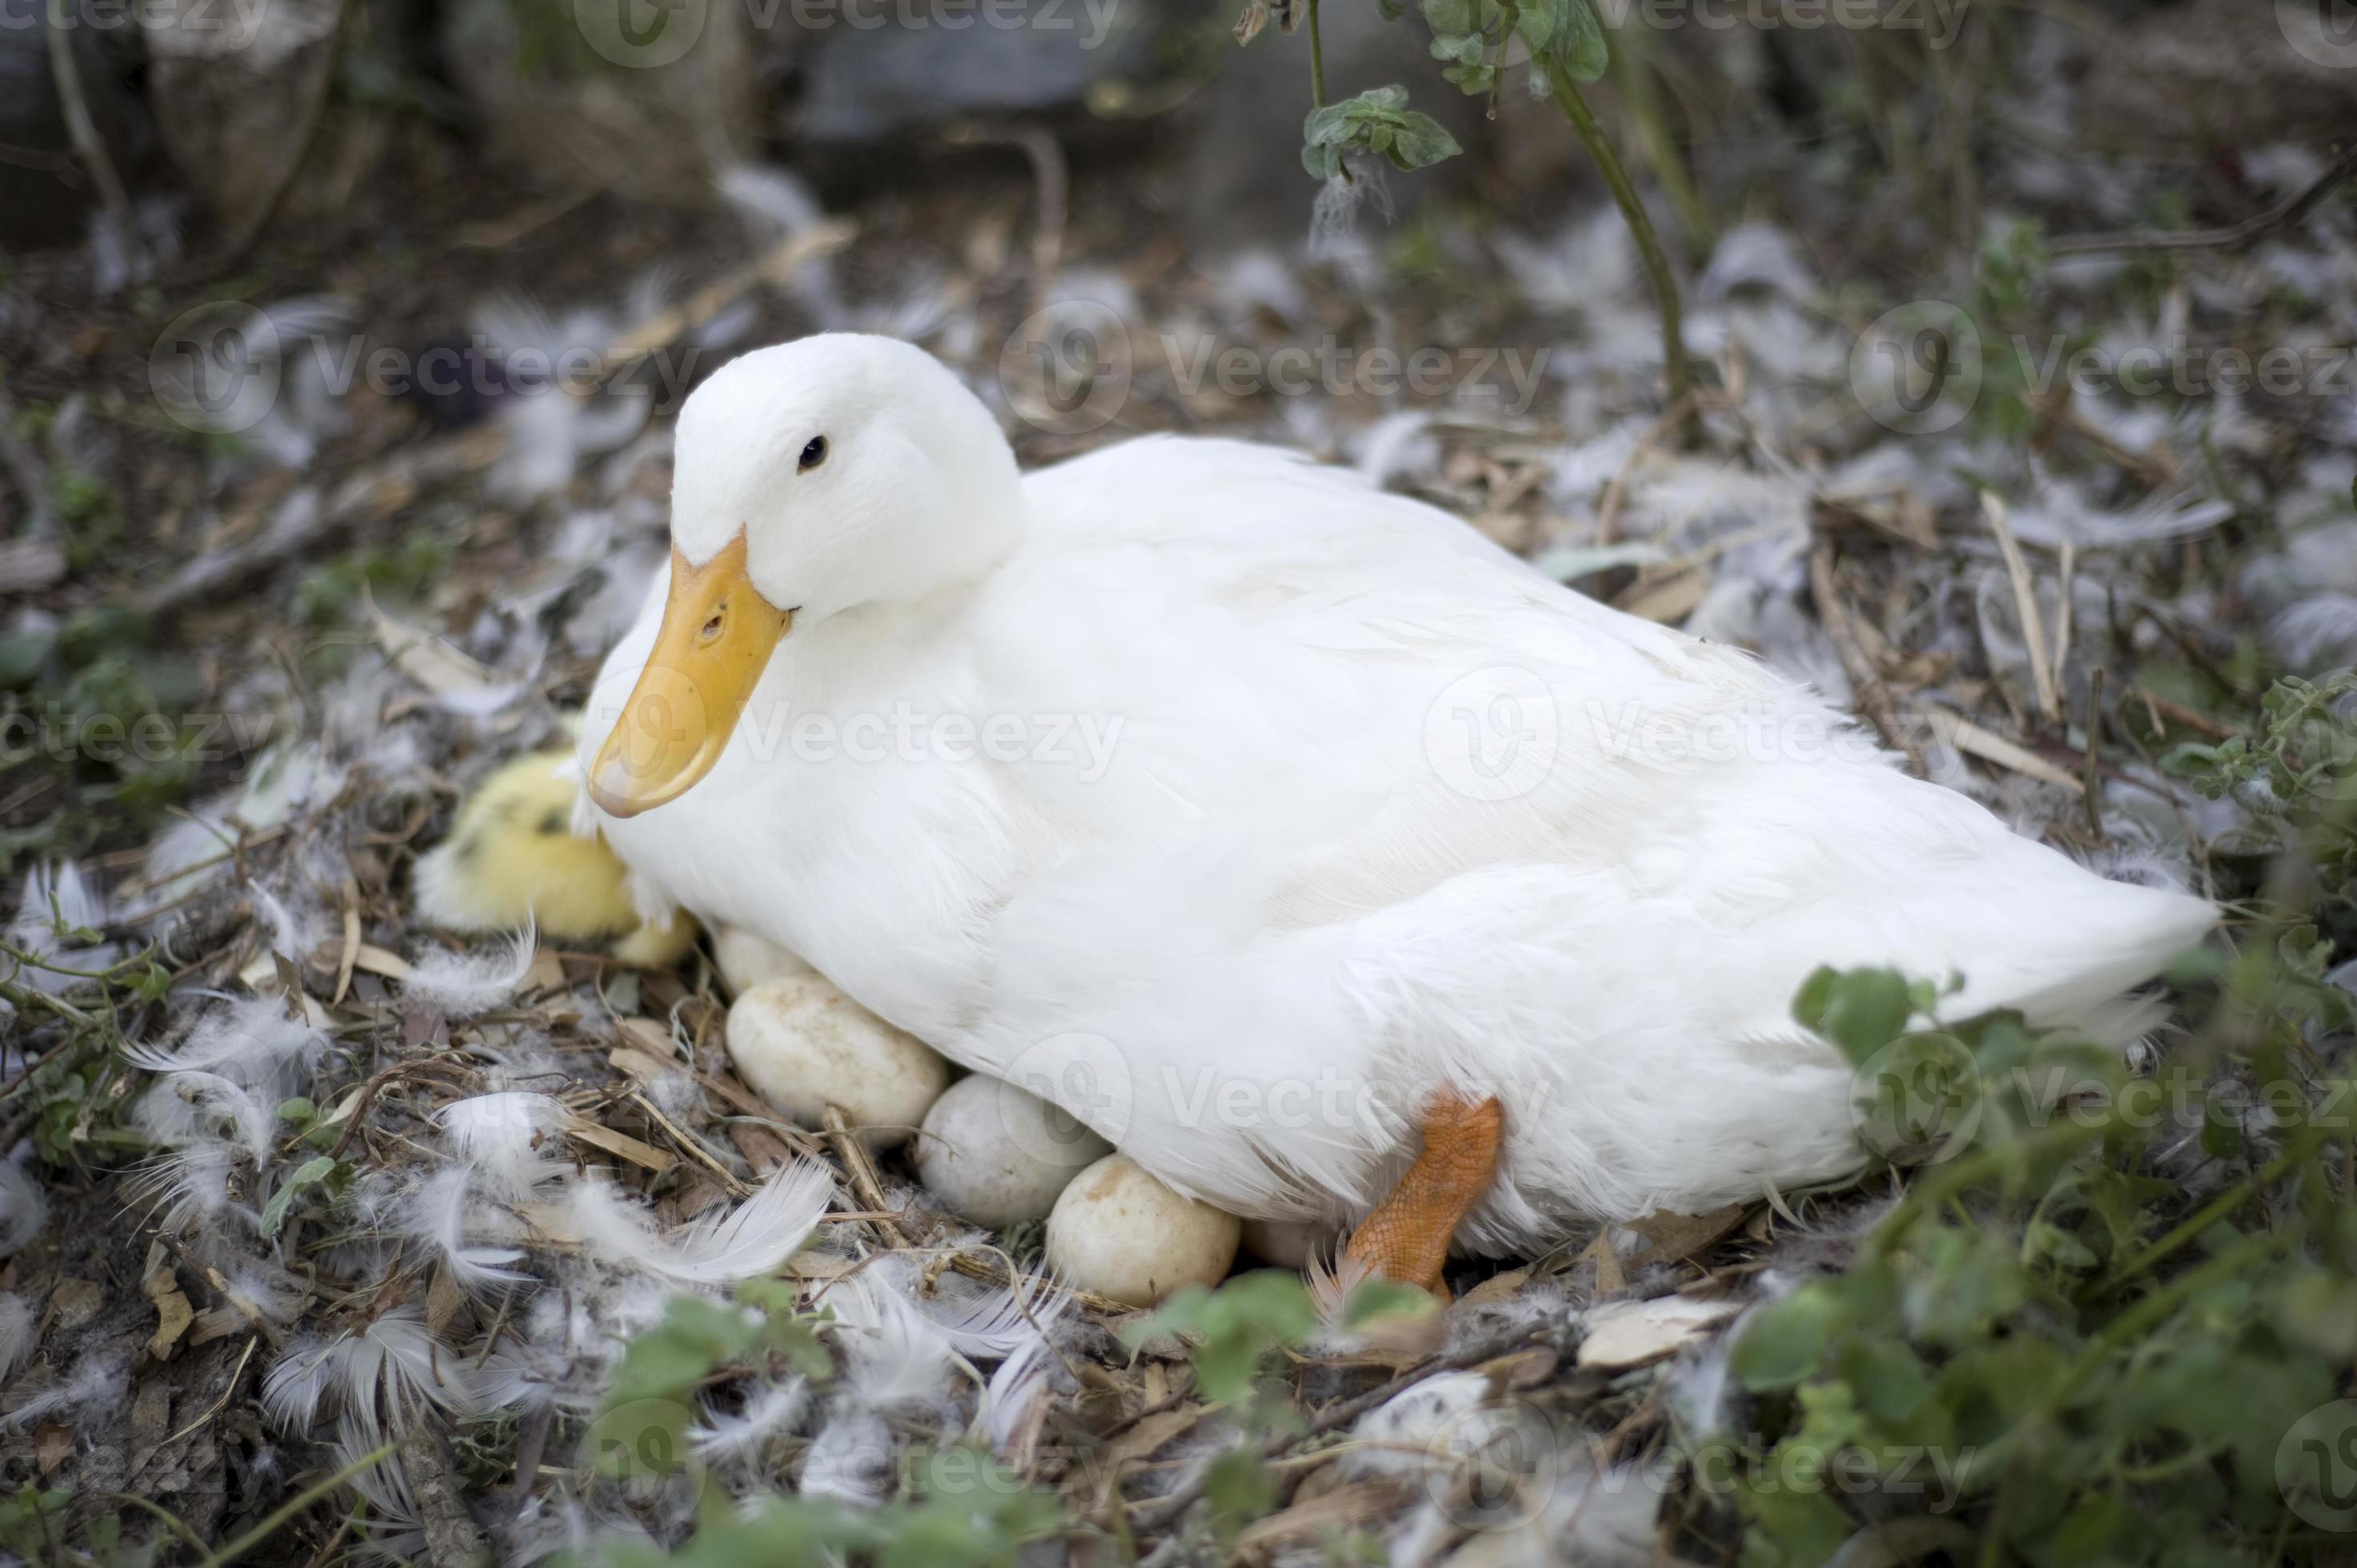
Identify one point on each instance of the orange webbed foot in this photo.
(1408, 1235)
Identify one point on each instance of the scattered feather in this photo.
(23, 1206)
(718, 1437)
(460, 985)
(251, 1042)
(187, 1187)
(507, 1138)
(438, 1214)
(752, 1238)
(191, 1107)
(98, 1379)
(20, 1330)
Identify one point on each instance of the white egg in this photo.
(994, 1155)
(745, 960)
(1121, 1234)
(801, 1044)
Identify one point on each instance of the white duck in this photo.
(1275, 826)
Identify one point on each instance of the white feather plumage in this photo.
(190, 1107)
(19, 1331)
(440, 1213)
(23, 1206)
(752, 1238)
(100, 1378)
(252, 1042)
(508, 1138)
(462, 985)
(718, 1436)
(1387, 813)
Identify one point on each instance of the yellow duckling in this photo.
(513, 857)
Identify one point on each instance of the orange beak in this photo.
(716, 636)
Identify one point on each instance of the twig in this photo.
(2025, 594)
(1317, 61)
(2282, 215)
(227, 1391)
(1640, 227)
(85, 131)
(314, 110)
(452, 1538)
(1615, 494)
(986, 1268)
(1866, 681)
(2177, 713)
(2065, 570)
(294, 1509)
(1048, 175)
(860, 1167)
(1989, 747)
(368, 496)
(2088, 780)
(781, 261)
(24, 466)
(694, 1147)
(1166, 1511)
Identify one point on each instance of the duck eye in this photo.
(813, 455)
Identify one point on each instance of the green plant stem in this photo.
(297, 1505)
(1640, 227)
(1317, 61)
(1638, 84)
(2232, 1198)
(171, 1520)
(1927, 1192)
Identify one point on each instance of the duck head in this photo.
(820, 478)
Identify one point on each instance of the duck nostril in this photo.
(712, 628)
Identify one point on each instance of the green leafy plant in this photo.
(1476, 41)
(2098, 1369)
(1376, 121)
